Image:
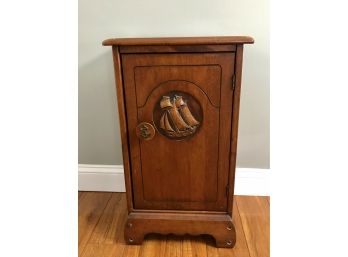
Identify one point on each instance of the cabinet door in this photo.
(179, 110)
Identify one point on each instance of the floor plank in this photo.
(198, 246)
(173, 247)
(131, 251)
(241, 247)
(101, 250)
(82, 195)
(108, 226)
(102, 217)
(91, 207)
(153, 246)
(254, 214)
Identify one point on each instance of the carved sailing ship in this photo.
(177, 120)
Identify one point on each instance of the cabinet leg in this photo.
(227, 236)
(133, 238)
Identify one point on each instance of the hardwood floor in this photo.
(103, 215)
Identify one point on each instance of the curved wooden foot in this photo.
(227, 240)
(218, 225)
(133, 238)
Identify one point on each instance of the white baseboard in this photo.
(110, 178)
(101, 178)
(250, 181)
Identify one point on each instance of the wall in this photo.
(99, 139)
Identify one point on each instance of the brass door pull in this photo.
(145, 131)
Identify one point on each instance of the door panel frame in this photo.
(226, 61)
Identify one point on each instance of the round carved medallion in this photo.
(177, 115)
(145, 131)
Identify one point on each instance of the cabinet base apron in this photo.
(217, 225)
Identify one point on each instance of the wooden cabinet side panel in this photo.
(123, 125)
(234, 130)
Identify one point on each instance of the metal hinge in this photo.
(233, 81)
(227, 190)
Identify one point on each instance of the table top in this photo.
(221, 40)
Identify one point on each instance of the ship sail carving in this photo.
(164, 123)
(185, 111)
(177, 119)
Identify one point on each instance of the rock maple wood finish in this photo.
(178, 102)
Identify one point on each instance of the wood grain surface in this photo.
(101, 225)
(178, 48)
(256, 231)
(164, 172)
(180, 41)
